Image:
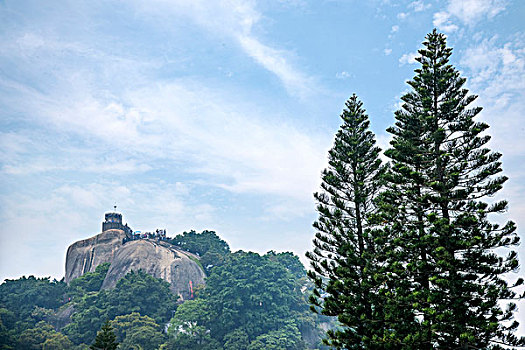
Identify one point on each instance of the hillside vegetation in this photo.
(250, 301)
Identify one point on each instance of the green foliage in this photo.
(33, 338)
(187, 326)
(135, 292)
(42, 336)
(262, 293)
(105, 339)
(187, 330)
(346, 260)
(442, 261)
(123, 324)
(23, 303)
(290, 261)
(21, 296)
(57, 341)
(211, 259)
(7, 318)
(212, 250)
(89, 282)
(190, 312)
(134, 331)
(143, 293)
(201, 243)
(143, 338)
(194, 338)
(7, 329)
(287, 338)
(252, 292)
(236, 340)
(88, 318)
(247, 297)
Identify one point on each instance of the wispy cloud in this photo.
(172, 121)
(408, 58)
(468, 12)
(412, 8)
(40, 227)
(343, 75)
(497, 72)
(472, 11)
(92, 116)
(276, 62)
(443, 22)
(402, 15)
(419, 5)
(236, 19)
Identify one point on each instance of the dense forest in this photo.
(407, 254)
(250, 301)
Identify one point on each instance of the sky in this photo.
(218, 115)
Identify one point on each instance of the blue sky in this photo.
(217, 115)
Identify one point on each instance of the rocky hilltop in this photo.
(159, 259)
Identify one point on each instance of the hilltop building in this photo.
(113, 221)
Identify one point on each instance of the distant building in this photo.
(113, 221)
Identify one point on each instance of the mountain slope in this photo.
(158, 259)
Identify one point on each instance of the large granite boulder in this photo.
(159, 259)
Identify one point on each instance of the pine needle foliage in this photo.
(106, 338)
(445, 262)
(345, 259)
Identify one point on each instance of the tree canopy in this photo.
(250, 296)
(88, 282)
(346, 260)
(135, 292)
(201, 243)
(423, 265)
(134, 330)
(105, 339)
(437, 206)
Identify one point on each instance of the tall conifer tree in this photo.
(444, 264)
(344, 260)
(105, 339)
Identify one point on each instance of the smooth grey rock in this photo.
(159, 259)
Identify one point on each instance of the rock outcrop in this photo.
(159, 259)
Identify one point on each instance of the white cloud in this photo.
(414, 6)
(394, 29)
(387, 52)
(472, 11)
(276, 62)
(496, 71)
(40, 227)
(442, 21)
(284, 210)
(419, 5)
(235, 19)
(408, 58)
(469, 12)
(402, 15)
(216, 135)
(383, 141)
(109, 118)
(343, 75)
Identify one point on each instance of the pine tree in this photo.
(444, 265)
(106, 339)
(345, 257)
